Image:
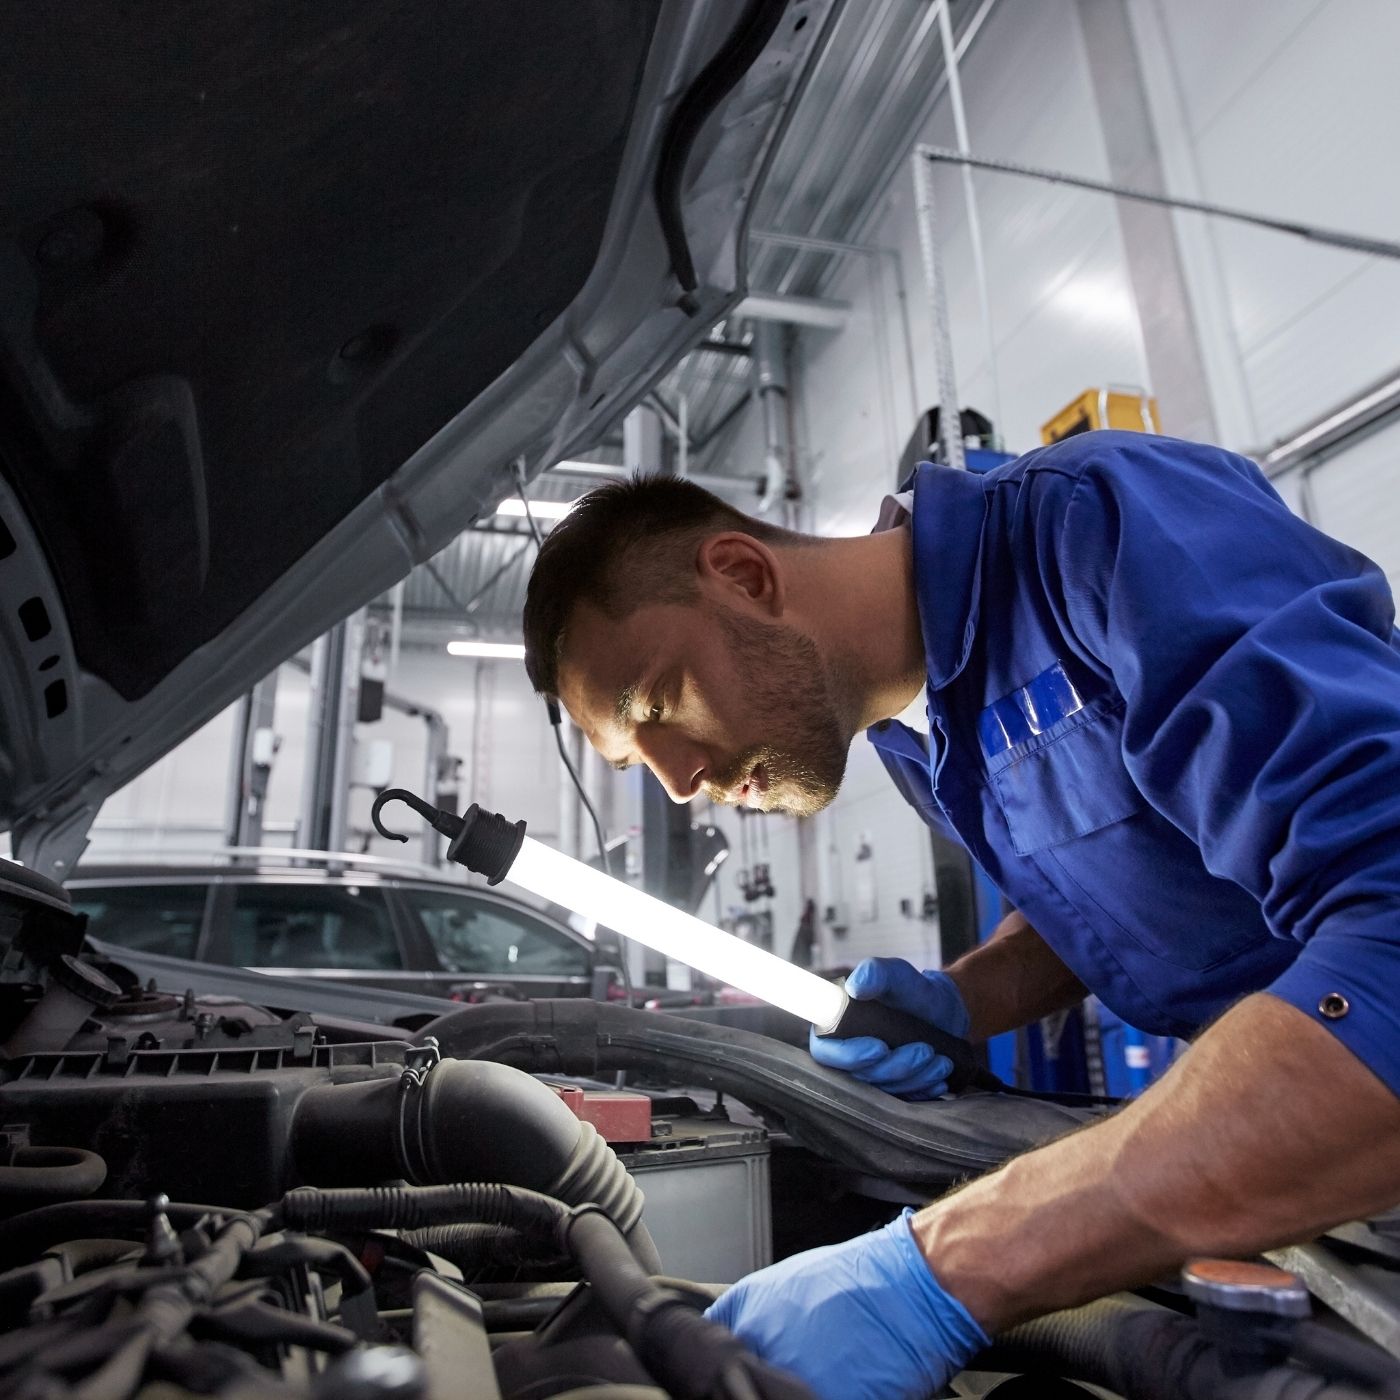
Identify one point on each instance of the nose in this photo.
(680, 766)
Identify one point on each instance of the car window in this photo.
(327, 926)
(146, 918)
(478, 936)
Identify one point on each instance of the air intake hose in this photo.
(926, 1144)
(38, 1174)
(465, 1120)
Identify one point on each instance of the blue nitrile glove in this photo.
(912, 1071)
(864, 1320)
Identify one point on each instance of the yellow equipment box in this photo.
(1118, 406)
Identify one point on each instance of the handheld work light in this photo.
(497, 848)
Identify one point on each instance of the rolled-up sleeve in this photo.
(1257, 658)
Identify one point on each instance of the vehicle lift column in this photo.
(335, 698)
(255, 745)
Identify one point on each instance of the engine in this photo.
(200, 1196)
(205, 1212)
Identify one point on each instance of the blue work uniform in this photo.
(1165, 718)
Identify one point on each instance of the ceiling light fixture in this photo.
(541, 510)
(488, 651)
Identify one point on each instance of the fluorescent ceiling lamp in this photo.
(491, 651)
(572, 467)
(541, 510)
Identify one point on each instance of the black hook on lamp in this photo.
(485, 842)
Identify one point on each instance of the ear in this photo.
(738, 568)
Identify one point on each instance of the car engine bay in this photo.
(203, 1196)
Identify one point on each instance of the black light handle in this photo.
(898, 1028)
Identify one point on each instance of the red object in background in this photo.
(732, 996)
(619, 1117)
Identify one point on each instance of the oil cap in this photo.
(1249, 1310)
(1239, 1285)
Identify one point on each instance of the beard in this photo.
(804, 761)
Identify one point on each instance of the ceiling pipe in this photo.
(878, 256)
(771, 386)
(817, 312)
(1375, 403)
(974, 223)
(733, 348)
(601, 471)
(671, 421)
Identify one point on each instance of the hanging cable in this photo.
(715, 880)
(525, 501)
(556, 720)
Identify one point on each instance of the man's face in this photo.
(713, 701)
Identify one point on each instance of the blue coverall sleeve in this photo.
(1258, 662)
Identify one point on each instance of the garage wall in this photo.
(1290, 109)
(176, 805)
(1353, 496)
(495, 723)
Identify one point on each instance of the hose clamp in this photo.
(408, 1136)
(571, 1217)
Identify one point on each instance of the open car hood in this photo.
(286, 290)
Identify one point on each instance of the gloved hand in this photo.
(864, 1320)
(913, 1071)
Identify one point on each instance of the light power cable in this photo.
(556, 721)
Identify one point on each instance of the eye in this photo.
(654, 714)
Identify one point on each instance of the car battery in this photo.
(706, 1183)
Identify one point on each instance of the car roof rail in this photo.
(250, 857)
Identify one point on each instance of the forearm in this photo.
(1013, 979)
(1267, 1131)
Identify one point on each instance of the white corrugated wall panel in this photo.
(1062, 311)
(1356, 497)
(1292, 110)
(1218, 47)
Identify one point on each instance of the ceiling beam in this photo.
(794, 311)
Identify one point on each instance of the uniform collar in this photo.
(950, 511)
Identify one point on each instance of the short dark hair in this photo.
(624, 544)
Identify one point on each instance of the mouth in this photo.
(755, 786)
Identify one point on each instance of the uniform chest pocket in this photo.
(1072, 785)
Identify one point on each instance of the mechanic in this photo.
(1165, 719)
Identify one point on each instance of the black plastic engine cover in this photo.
(210, 1125)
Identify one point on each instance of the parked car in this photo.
(376, 923)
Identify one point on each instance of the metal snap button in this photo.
(1334, 1006)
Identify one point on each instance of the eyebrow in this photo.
(622, 706)
(622, 713)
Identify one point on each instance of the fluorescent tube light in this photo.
(541, 510)
(491, 651)
(491, 845)
(674, 934)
